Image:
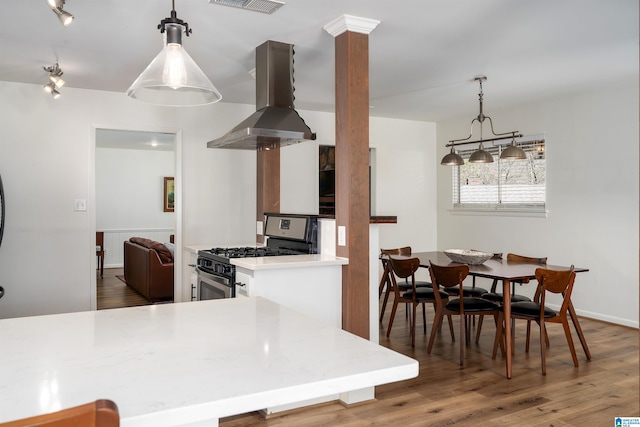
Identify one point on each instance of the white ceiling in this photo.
(424, 54)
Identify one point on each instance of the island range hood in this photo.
(275, 123)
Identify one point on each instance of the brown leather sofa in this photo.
(148, 268)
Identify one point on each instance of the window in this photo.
(507, 185)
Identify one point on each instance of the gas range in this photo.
(225, 254)
(286, 235)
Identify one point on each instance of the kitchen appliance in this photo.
(275, 123)
(286, 234)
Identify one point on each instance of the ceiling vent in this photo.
(262, 6)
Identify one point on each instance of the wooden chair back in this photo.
(386, 268)
(522, 258)
(101, 413)
(448, 276)
(557, 282)
(404, 268)
(100, 250)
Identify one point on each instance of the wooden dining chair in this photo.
(552, 281)
(415, 296)
(100, 250)
(447, 277)
(101, 413)
(385, 279)
(498, 298)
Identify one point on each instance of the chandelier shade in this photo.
(452, 159)
(513, 152)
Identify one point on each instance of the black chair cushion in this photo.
(425, 294)
(471, 305)
(404, 286)
(531, 309)
(468, 291)
(496, 297)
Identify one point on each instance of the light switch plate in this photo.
(80, 205)
(259, 228)
(342, 235)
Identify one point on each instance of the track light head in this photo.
(65, 17)
(51, 88)
(55, 3)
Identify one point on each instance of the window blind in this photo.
(503, 184)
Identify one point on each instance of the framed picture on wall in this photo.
(169, 194)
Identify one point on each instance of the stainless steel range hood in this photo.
(276, 122)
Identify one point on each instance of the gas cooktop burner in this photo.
(248, 251)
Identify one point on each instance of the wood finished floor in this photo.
(113, 293)
(446, 394)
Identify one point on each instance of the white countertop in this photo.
(288, 261)
(174, 364)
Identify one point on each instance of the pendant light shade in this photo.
(173, 78)
(452, 159)
(481, 156)
(513, 152)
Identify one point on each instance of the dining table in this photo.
(508, 272)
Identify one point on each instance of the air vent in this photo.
(262, 6)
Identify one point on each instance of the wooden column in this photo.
(352, 173)
(268, 185)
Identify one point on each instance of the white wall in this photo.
(47, 155)
(405, 175)
(592, 196)
(129, 197)
(47, 257)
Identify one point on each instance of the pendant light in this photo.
(173, 78)
(513, 152)
(452, 159)
(481, 156)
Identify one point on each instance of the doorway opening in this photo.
(131, 170)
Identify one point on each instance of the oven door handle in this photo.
(207, 273)
(215, 277)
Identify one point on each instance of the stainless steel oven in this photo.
(213, 285)
(287, 235)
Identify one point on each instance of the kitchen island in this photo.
(184, 363)
(311, 284)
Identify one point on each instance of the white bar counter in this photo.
(288, 261)
(184, 363)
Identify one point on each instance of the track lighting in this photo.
(55, 74)
(65, 17)
(512, 152)
(51, 88)
(55, 81)
(173, 78)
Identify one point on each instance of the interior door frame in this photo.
(91, 206)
